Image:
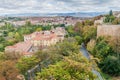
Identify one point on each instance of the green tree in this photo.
(49, 56)
(2, 56)
(109, 19)
(2, 39)
(1, 47)
(70, 30)
(67, 47)
(75, 67)
(39, 29)
(102, 49)
(110, 65)
(109, 62)
(17, 36)
(91, 45)
(79, 39)
(79, 27)
(89, 32)
(26, 63)
(111, 13)
(28, 24)
(11, 34)
(88, 22)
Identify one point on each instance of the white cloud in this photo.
(52, 6)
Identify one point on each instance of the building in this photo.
(56, 20)
(99, 22)
(46, 38)
(22, 48)
(37, 40)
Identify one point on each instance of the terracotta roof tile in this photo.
(21, 46)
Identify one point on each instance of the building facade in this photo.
(38, 40)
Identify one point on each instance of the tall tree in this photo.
(8, 71)
(26, 63)
(111, 13)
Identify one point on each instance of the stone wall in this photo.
(108, 30)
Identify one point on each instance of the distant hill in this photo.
(77, 14)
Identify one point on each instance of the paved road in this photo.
(86, 54)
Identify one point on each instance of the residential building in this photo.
(37, 40)
(21, 48)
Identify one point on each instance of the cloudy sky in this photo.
(57, 6)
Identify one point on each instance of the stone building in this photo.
(21, 48)
(99, 22)
(36, 41)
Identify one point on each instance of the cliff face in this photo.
(108, 30)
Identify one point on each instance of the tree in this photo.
(110, 65)
(12, 55)
(48, 57)
(56, 52)
(88, 33)
(1, 47)
(79, 39)
(91, 45)
(109, 62)
(26, 63)
(79, 27)
(115, 43)
(88, 22)
(39, 29)
(109, 18)
(17, 36)
(11, 34)
(67, 47)
(102, 49)
(75, 67)
(111, 13)
(28, 24)
(116, 21)
(8, 71)
(2, 39)
(2, 56)
(70, 31)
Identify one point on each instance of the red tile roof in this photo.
(45, 36)
(21, 46)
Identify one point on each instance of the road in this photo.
(86, 54)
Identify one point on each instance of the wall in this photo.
(108, 30)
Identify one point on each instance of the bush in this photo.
(111, 66)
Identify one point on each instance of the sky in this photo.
(57, 6)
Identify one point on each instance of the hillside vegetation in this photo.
(62, 61)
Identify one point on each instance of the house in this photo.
(37, 40)
(99, 22)
(46, 38)
(22, 48)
